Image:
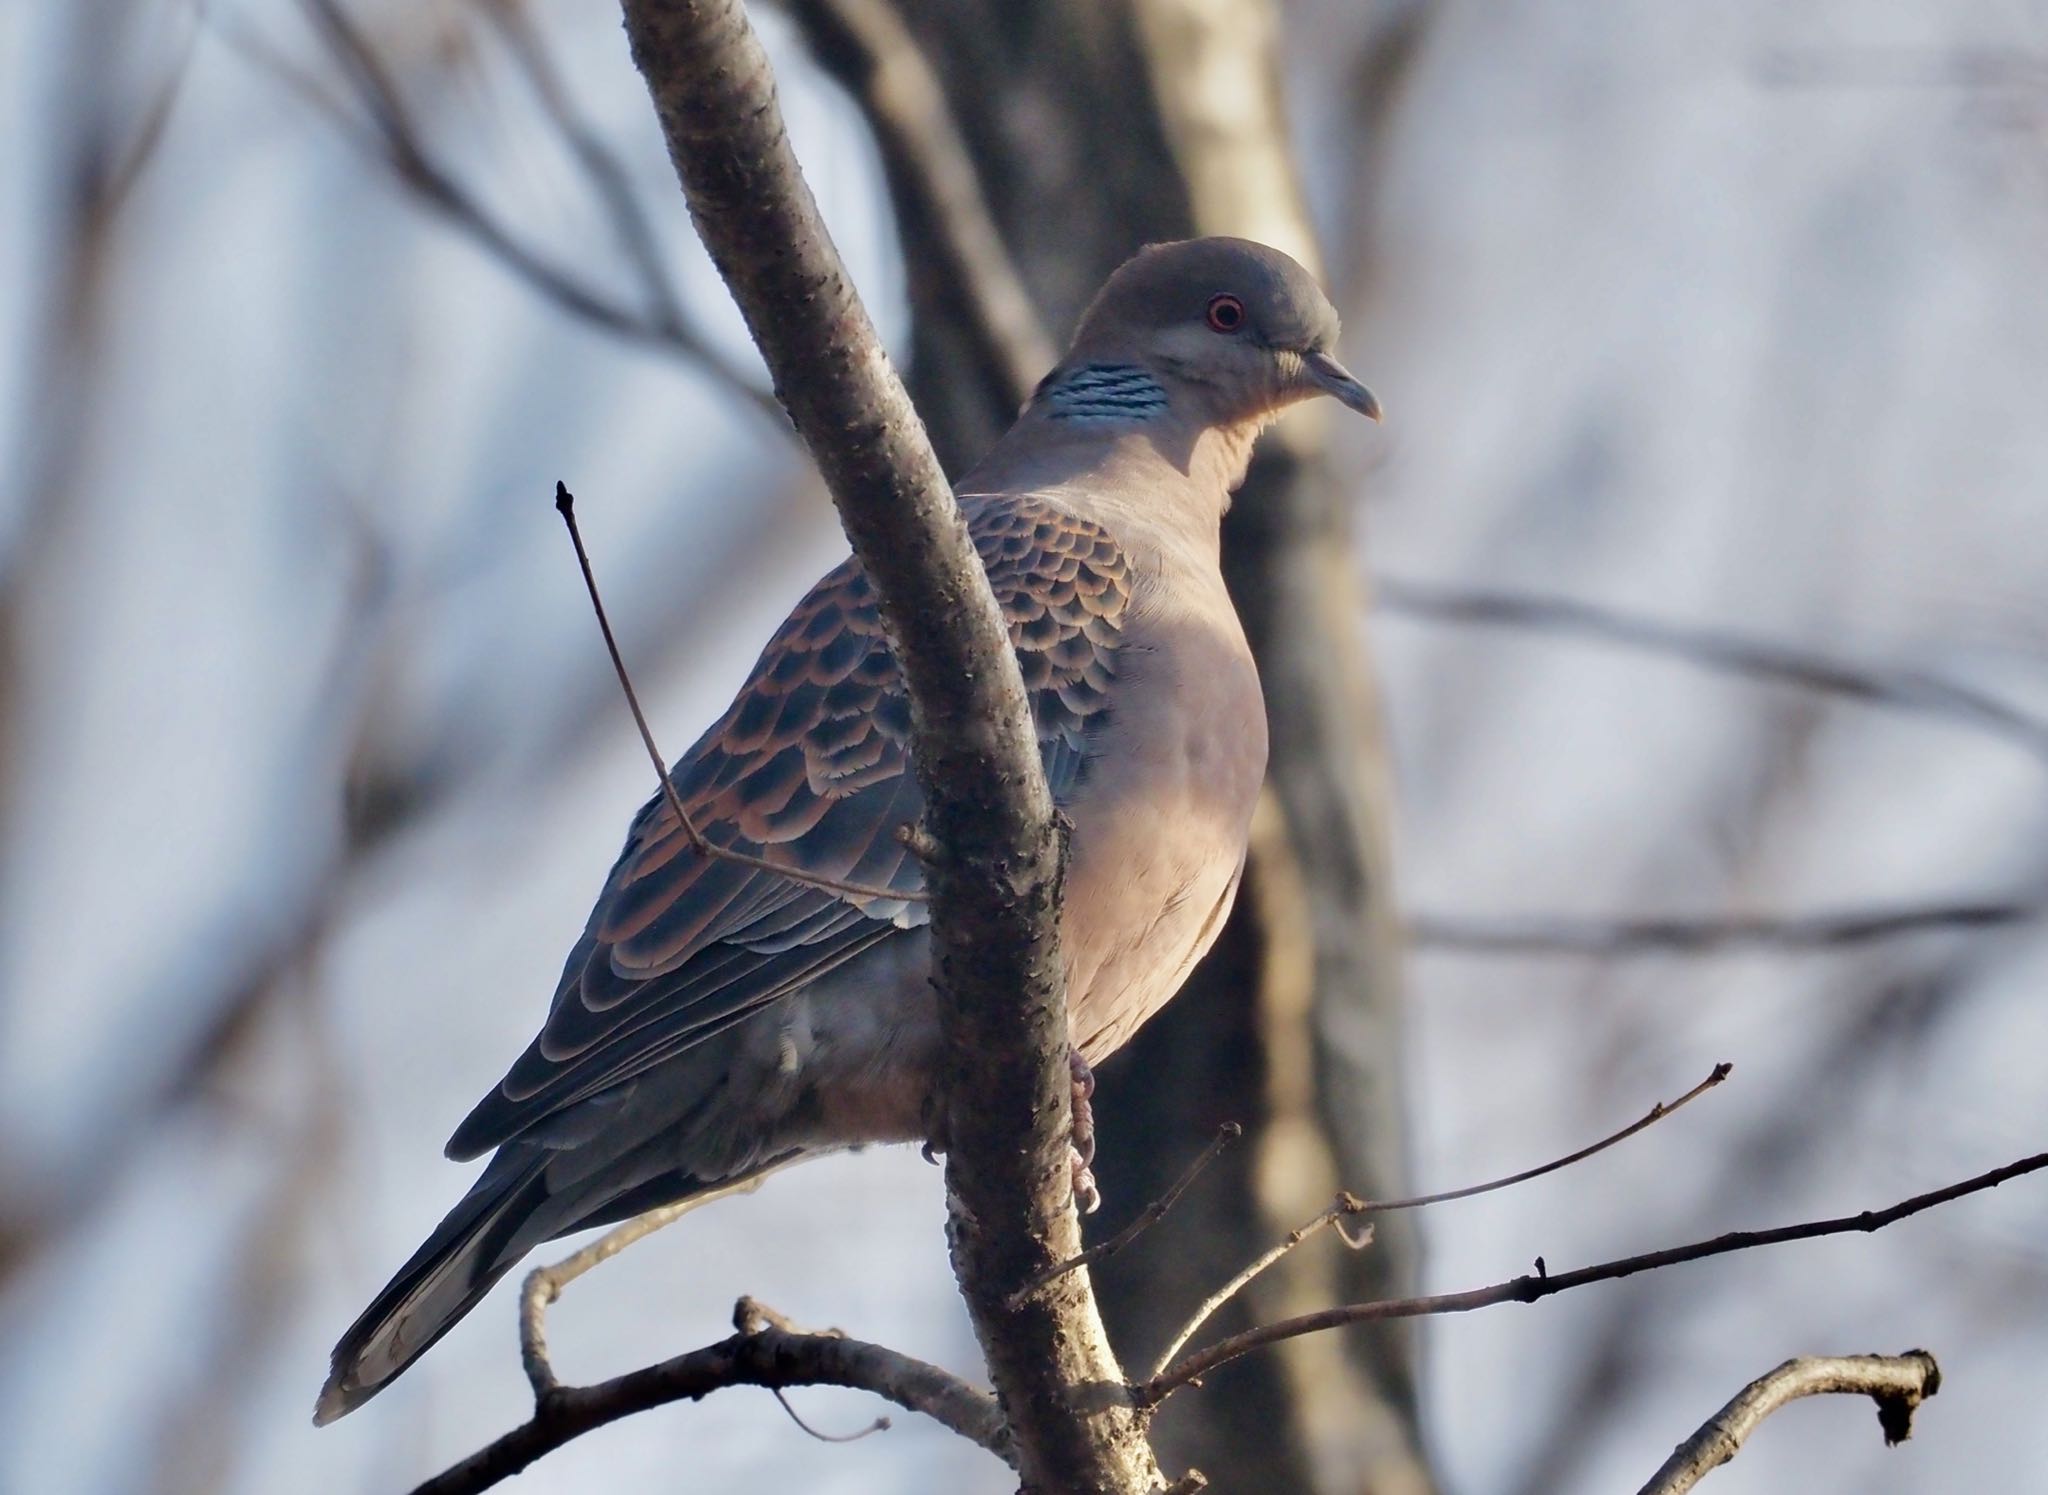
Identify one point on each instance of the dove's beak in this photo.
(1322, 372)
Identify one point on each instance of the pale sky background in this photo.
(1724, 316)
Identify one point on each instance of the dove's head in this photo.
(1232, 331)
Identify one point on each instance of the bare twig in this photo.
(762, 1353)
(879, 1425)
(565, 505)
(1005, 1102)
(1680, 935)
(1350, 1205)
(544, 1285)
(1347, 1204)
(1649, 1118)
(1529, 1289)
(1897, 1383)
(1718, 649)
(1149, 1216)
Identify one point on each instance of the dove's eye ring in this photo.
(1226, 313)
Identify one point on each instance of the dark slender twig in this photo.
(1147, 1217)
(879, 1425)
(1529, 1289)
(1678, 935)
(1649, 1118)
(763, 1353)
(1349, 1206)
(565, 505)
(1717, 649)
(1897, 1383)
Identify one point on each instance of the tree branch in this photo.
(1897, 1383)
(1686, 935)
(1718, 649)
(765, 1352)
(1543, 1284)
(995, 877)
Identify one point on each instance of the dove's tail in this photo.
(511, 1209)
(482, 1238)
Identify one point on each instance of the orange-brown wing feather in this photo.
(810, 765)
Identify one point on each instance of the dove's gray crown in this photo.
(1164, 285)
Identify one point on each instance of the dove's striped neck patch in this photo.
(1106, 391)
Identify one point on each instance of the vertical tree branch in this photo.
(995, 878)
(966, 265)
(1330, 945)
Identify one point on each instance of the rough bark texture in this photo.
(995, 875)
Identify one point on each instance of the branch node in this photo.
(916, 840)
(1355, 1241)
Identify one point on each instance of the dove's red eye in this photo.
(1226, 313)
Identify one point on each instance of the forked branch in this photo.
(1349, 1206)
(764, 1352)
(1543, 1284)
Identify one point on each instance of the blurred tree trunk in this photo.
(1095, 127)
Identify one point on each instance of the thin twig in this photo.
(1717, 649)
(1649, 1118)
(879, 1425)
(1149, 1216)
(1529, 1289)
(565, 505)
(544, 1285)
(1608, 938)
(1897, 1383)
(1350, 1205)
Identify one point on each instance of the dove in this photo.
(718, 1019)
